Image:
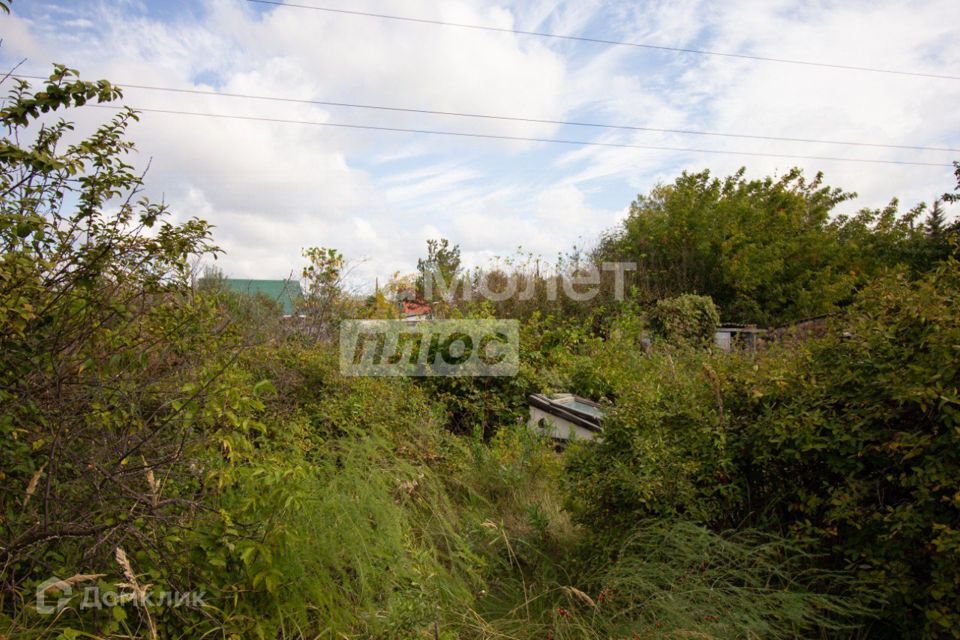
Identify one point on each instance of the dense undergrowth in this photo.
(161, 437)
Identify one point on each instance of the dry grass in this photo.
(63, 585)
(138, 592)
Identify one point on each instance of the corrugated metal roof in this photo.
(286, 292)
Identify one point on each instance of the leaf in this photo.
(32, 486)
(264, 387)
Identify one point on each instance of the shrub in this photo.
(110, 368)
(686, 319)
(848, 445)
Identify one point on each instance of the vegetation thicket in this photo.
(163, 436)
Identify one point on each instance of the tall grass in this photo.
(362, 518)
(550, 578)
(674, 579)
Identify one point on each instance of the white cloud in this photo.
(718, 94)
(435, 181)
(272, 189)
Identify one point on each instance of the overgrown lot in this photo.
(161, 437)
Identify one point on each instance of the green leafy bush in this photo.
(767, 251)
(160, 437)
(110, 366)
(686, 319)
(848, 445)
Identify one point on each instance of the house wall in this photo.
(557, 428)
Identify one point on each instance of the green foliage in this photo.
(352, 534)
(731, 496)
(439, 270)
(766, 251)
(323, 271)
(955, 196)
(96, 321)
(664, 448)
(848, 445)
(886, 403)
(671, 579)
(687, 319)
(323, 296)
(680, 576)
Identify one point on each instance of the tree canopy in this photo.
(768, 251)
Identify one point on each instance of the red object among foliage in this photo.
(414, 307)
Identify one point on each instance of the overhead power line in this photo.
(566, 123)
(490, 136)
(641, 45)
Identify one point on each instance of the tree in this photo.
(101, 392)
(939, 233)
(323, 287)
(767, 251)
(378, 306)
(955, 196)
(936, 221)
(440, 271)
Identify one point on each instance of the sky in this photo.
(271, 189)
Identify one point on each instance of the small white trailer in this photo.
(564, 417)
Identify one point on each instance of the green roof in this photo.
(286, 292)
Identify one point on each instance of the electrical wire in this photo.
(565, 123)
(540, 34)
(488, 136)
